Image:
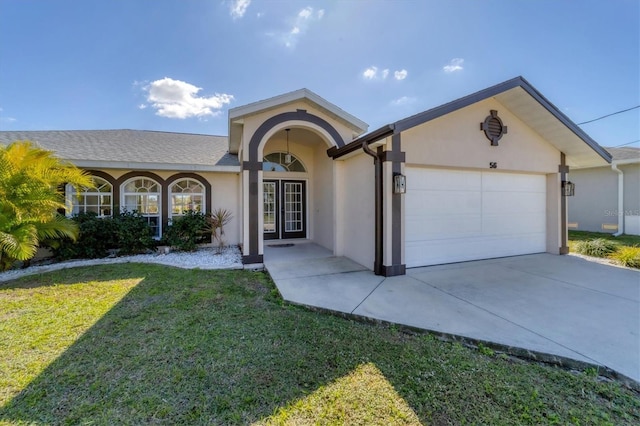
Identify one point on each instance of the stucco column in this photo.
(393, 210)
(251, 249)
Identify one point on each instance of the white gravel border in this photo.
(203, 258)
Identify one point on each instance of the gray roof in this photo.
(628, 153)
(134, 147)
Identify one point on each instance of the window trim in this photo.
(72, 199)
(170, 193)
(159, 215)
(285, 166)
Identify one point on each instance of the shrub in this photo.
(97, 236)
(599, 247)
(186, 232)
(129, 232)
(133, 233)
(216, 223)
(628, 256)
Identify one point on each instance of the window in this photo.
(276, 162)
(143, 196)
(186, 194)
(98, 199)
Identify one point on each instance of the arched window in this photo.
(144, 196)
(186, 194)
(97, 199)
(276, 162)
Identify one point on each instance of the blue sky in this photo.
(180, 65)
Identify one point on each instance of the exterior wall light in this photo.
(568, 188)
(399, 184)
(287, 157)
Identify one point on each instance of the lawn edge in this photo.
(528, 355)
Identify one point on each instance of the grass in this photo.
(624, 249)
(148, 344)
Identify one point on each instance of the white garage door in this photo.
(456, 215)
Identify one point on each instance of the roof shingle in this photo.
(627, 153)
(134, 146)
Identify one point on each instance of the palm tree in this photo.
(31, 191)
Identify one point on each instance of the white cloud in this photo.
(404, 100)
(237, 8)
(6, 119)
(370, 73)
(400, 75)
(142, 106)
(177, 99)
(454, 65)
(300, 24)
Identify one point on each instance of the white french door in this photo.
(285, 209)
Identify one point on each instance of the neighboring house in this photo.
(482, 175)
(607, 198)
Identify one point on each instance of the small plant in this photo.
(598, 247)
(485, 350)
(627, 256)
(186, 232)
(216, 223)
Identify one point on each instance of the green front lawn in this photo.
(140, 344)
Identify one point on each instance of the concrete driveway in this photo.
(556, 305)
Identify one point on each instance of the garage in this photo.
(461, 215)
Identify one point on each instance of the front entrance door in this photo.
(285, 209)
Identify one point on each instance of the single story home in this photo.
(607, 198)
(479, 177)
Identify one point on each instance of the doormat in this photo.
(281, 245)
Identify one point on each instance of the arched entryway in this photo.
(289, 187)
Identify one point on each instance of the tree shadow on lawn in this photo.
(183, 346)
(215, 347)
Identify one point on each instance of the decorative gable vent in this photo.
(493, 127)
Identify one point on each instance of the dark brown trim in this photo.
(252, 165)
(125, 177)
(356, 144)
(252, 258)
(103, 175)
(298, 115)
(396, 202)
(207, 188)
(450, 107)
(115, 188)
(394, 270)
(564, 244)
(395, 156)
(163, 194)
(254, 232)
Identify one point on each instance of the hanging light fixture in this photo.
(287, 157)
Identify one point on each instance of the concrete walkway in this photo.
(557, 305)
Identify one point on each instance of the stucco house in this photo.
(607, 198)
(479, 177)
